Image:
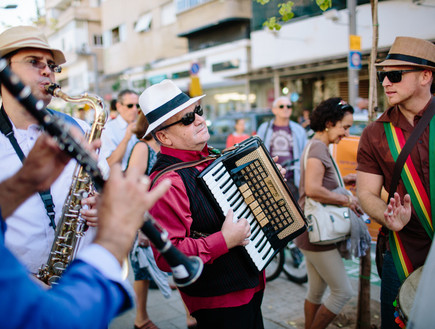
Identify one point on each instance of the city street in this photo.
(282, 305)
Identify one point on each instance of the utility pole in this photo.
(353, 64)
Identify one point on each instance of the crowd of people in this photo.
(151, 154)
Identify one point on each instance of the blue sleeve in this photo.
(67, 118)
(83, 299)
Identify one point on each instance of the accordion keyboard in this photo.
(250, 184)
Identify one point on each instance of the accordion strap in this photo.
(181, 165)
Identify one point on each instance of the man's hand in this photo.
(398, 215)
(124, 201)
(43, 165)
(235, 234)
(89, 212)
(281, 169)
(349, 179)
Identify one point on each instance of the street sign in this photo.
(355, 60)
(194, 68)
(354, 42)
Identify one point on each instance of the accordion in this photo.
(247, 180)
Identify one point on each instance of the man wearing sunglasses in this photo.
(118, 139)
(286, 139)
(229, 292)
(31, 227)
(407, 75)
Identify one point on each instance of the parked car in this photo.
(221, 127)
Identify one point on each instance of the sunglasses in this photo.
(187, 119)
(393, 76)
(41, 65)
(342, 105)
(288, 106)
(131, 105)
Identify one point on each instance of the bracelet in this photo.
(349, 201)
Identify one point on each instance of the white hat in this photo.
(162, 101)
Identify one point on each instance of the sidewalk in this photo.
(282, 306)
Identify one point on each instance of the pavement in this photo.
(282, 305)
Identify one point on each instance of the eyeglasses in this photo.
(187, 119)
(41, 65)
(393, 76)
(131, 105)
(288, 106)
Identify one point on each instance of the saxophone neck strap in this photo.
(6, 129)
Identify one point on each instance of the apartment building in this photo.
(187, 41)
(239, 64)
(308, 57)
(75, 27)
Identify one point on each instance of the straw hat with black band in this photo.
(408, 51)
(20, 37)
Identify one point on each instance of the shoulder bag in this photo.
(327, 223)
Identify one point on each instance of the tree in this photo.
(286, 12)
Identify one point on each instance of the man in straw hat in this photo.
(30, 228)
(92, 291)
(407, 75)
(229, 292)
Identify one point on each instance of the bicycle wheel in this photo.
(294, 265)
(274, 268)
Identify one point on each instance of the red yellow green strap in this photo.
(419, 198)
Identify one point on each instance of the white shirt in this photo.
(111, 137)
(29, 235)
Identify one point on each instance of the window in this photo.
(228, 65)
(117, 34)
(168, 14)
(143, 24)
(98, 40)
(183, 5)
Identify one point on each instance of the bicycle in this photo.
(289, 260)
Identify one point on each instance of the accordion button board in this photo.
(247, 180)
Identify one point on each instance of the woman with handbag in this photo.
(330, 121)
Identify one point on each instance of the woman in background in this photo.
(330, 121)
(238, 135)
(144, 155)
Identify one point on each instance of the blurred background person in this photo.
(113, 111)
(238, 135)
(117, 139)
(331, 121)
(362, 105)
(143, 156)
(286, 139)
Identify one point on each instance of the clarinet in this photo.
(186, 270)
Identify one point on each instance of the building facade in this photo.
(220, 47)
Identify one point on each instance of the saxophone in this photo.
(71, 227)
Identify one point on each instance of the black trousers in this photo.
(242, 317)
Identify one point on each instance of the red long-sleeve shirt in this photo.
(172, 212)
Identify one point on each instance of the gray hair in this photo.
(281, 98)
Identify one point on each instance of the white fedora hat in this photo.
(162, 101)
